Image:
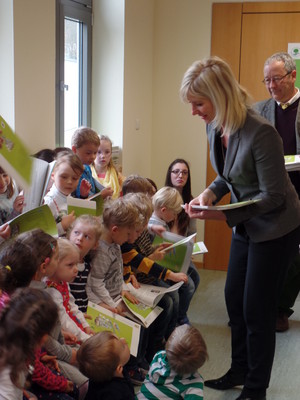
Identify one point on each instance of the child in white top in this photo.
(11, 202)
(104, 169)
(66, 173)
(71, 318)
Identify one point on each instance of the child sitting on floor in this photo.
(71, 318)
(173, 373)
(102, 358)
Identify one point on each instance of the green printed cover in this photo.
(176, 258)
(105, 320)
(40, 217)
(14, 156)
(92, 206)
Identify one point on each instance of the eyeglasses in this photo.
(184, 172)
(276, 79)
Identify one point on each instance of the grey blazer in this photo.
(266, 108)
(254, 169)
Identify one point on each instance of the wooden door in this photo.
(245, 35)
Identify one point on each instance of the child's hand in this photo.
(159, 252)
(178, 277)
(85, 188)
(51, 362)
(5, 231)
(19, 203)
(106, 192)
(134, 281)
(88, 330)
(67, 220)
(121, 308)
(157, 229)
(73, 359)
(69, 337)
(70, 387)
(112, 309)
(87, 316)
(129, 296)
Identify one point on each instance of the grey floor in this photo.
(208, 313)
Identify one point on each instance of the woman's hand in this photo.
(206, 198)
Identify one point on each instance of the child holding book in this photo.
(174, 373)
(167, 203)
(104, 169)
(24, 324)
(102, 359)
(11, 201)
(66, 173)
(84, 233)
(71, 318)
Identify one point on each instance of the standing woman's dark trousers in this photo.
(255, 275)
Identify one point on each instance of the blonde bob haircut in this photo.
(213, 79)
(168, 197)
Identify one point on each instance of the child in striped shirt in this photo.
(173, 373)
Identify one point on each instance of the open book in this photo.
(93, 205)
(292, 163)
(14, 156)
(39, 217)
(178, 256)
(224, 207)
(104, 320)
(141, 313)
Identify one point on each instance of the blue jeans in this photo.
(186, 292)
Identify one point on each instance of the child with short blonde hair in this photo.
(166, 203)
(173, 372)
(102, 358)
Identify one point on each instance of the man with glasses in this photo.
(283, 111)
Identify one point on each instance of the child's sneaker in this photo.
(136, 376)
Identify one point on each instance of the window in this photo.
(73, 67)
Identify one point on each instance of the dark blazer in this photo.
(266, 108)
(254, 169)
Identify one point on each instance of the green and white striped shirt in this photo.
(162, 383)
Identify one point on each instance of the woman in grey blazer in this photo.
(247, 155)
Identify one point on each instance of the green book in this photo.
(39, 217)
(14, 156)
(104, 320)
(93, 205)
(141, 313)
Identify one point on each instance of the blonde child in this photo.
(24, 325)
(71, 318)
(174, 373)
(104, 169)
(66, 173)
(167, 203)
(105, 281)
(11, 202)
(84, 233)
(102, 359)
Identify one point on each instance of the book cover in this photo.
(199, 248)
(14, 156)
(104, 320)
(150, 294)
(39, 217)
(178, 256)
(225, 207)
(141, 313)
(292, 162)
(93, 205)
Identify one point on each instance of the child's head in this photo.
(186, 350)
(24, 323)
(119, 219)
(19, 264)
(167, 203)
(142, 203)
(137, 184)
(85, 232)
(6, 184)
(46, 250)
(66, 172)
(85, 143)
(104, 153)
(68, 260)
(102, 356)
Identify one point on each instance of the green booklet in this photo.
(141, 313)
(178, 255)
(40, 217)
(224, 207)
(14, 156)
(104, 320)
(292, 162)
(93, 205)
